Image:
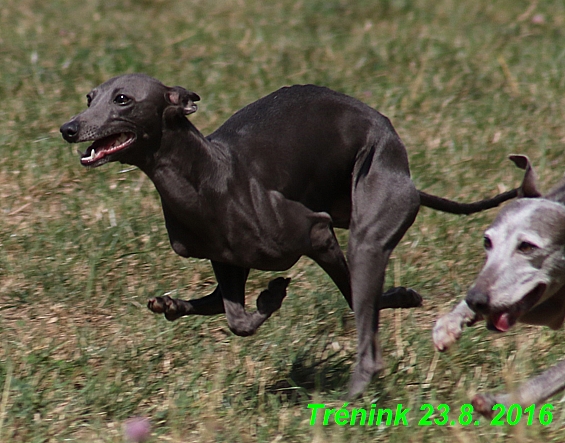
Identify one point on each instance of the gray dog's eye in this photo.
(122, 99)
(487, 243)
(526, 247)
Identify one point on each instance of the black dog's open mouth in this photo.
(100, 151)
(503, 320)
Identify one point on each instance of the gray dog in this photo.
(523, 280)
(265, 189)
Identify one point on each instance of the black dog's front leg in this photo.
(231, 281)
(174, 308)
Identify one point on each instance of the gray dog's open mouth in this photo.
(100, 151)
(503, 320)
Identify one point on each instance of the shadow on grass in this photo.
(309, 375)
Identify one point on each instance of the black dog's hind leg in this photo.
(327, 253)
(384, 205)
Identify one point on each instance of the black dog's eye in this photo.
(122, 99)
(526, 247)
(487, 243)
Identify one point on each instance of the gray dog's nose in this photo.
(478, 300)
(70, 131)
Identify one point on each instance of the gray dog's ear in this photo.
(528, 188)
(178, 96)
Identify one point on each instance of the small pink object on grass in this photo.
(137, 430)
(538, 19)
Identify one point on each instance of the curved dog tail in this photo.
(445, 205)
(527, 189)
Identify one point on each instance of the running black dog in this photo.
(266, 188)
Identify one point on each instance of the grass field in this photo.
(465, 82)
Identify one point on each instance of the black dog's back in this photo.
(313, 131)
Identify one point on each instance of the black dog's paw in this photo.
(413, 299)
(270, 300)
(401, 297)
(164, 305)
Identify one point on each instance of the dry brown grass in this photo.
(465, 83)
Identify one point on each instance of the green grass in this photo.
(464, 82)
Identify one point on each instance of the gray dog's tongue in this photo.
(501, 321)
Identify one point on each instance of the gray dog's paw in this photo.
(164, 305)
(483, 403)
(270, 300)
(447, 331)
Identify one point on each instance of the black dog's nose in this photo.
(70, 131)
(478, 300)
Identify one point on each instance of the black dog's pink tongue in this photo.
(502, 321)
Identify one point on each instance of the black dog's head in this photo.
(124, 118)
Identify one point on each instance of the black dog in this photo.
(266, 188)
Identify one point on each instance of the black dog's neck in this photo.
(186, 161)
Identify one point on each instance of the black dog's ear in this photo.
(178, 96)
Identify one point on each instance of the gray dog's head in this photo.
(523, 278)
(124, 118)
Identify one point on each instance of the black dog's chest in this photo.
(253, 228)
(251, 248)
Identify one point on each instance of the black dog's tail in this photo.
(445, 205)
